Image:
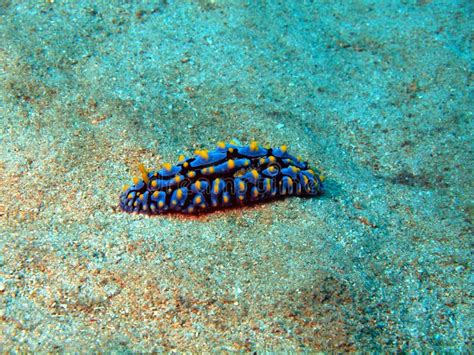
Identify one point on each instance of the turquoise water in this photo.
(376, 94)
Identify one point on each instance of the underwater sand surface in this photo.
(377, 94)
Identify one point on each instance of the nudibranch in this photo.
(230, 175)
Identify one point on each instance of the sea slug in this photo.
(230, 175)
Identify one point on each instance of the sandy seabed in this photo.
(377, 94)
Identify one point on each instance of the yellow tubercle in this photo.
(226, 199)
(221, 145)
(129, 196)
(198, 184)
(241, 186)
(135, 180)
(181, 158)
(179, 194)
(322, 178)
(155, 194)
(255, 174)
(253, 146)
(284, 148)
(198, 200)
(230, 164)
(216, 186)
(177, 178)
(144, 172)
(231, 150)
(154, 183)
(203, 154)
(211, 170)
(186, 164)
(161, 204)
(167, 166)
(271, 159)
(125, 187)
(191, 174)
